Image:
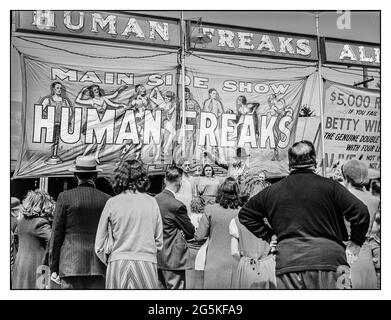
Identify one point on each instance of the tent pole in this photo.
(183, 75)
(44, 183)
(320, 86)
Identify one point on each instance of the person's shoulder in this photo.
(102, 195)
(212, 208)
(146, 197)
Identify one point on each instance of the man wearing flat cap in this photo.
(306, 212)
(72, 256)
(355, 174)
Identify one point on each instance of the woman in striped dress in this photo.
(130, 231)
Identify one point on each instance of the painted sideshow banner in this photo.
(351, 124)
(73, 110)
(227, 113)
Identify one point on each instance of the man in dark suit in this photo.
(173, 260)
(72, 253)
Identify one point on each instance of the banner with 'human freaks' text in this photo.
(230, 109)
(116, 112)
(351, 124)
(112, 112)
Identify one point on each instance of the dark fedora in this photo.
(85, 164)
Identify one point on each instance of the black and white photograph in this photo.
(185, 150)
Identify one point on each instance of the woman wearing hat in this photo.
(130, 231)
(34, 231)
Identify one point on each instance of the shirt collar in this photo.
(89, 183)
(168, 189)
(296, 171)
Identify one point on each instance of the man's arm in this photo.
(158, 229)
(58, 234)
(102, 233)
(184, 222)
(252, 217)
(215, 160)
(354, 211)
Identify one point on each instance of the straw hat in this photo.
(85, 164)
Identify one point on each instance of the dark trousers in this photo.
(83, 283)
(310, 280)
(172, 279)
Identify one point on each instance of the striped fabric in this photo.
(12, 252)
(131, 274)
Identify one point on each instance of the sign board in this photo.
(351, 53)
(351, 124)
(234, 40)
(111, 26)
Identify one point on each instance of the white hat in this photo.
(85, 164)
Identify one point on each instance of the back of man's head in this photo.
(173, 177)
(302, 155)
(86, 176)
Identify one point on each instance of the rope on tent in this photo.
(259, 59)
(248, 67)
(94, 56)
(352, 73)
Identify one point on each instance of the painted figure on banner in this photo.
(168, 108)
(141, 101)
(100, 102)
(277, 108)
(58, 100)
(243, 108)
(213, 103)
(191, 138)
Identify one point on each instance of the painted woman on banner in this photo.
(58, 100)
(168, 108)
(140, 102)
(243, 108)
(190, 137)
(277, 108)
(214, 105)
(100, 102)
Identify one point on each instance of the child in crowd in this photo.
(195, 278)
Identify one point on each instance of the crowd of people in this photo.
(237, 232)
